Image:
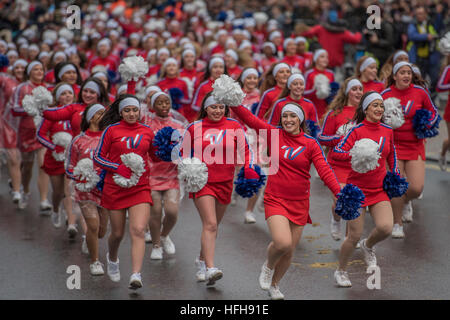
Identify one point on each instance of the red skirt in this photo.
(117, 198)
(374, 196)
(51, 166)
(410, 150)
(220, 190)
(447, 110)
(297, 211)
(8, 138)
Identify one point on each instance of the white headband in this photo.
(286, 42)
(398, 54)
(59, 54)
(93, 110)
(163, 50)
(122, 87)
(186, 51)
(293, 77)
(215, 60)
(104, 41)
(399, 65)
(300, 39)
(248, 72)
(152, 88)
(128, 102)
(61, 89)
(233, 54)
(20, 62)
(352, 83)
(370, 98)
(12, 53)
(210, 101)
(318, 53)
(295, 109)
(271, 45)
(99, 73)
(156, 95)
(43, 54)
(68, 67)
(367, 63)
(170, 61)
(274, 34)
(32, 65)
(151, 53)
(278, 67)
(416, 70)
(93, 86)
(33, 47)
(245, 44)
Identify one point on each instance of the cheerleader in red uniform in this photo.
(214, 128)
(368, 126)
(28, 144)
(91, 91)
(104, 56)
(269, 51)
(57, 57)
(170, 79)
(442, 86)
(287, 209)
(69, 73)
(274, 82)
(123, 134)
(83, 147)
(9, 125)
(337, 122)
(110, 89)
(366, 72)
(302, 51)
(216, 67)
(410, 148)
(319, 66)
(290, 56)
(231, 61)
(188, 70)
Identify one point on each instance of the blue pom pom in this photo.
(334, 87)
(394, 185)
(176, 95)
(222, 16)
(165, 140)
(313, 128)
(246, 188)
(4, 61)
(421, 124)
(100, 184)
(349, 202)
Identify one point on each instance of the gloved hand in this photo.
(250, 173)
(124, 171)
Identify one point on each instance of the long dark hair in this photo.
(360, 114)
(103, 98)
(303, 125)
(112, 114)
(84, 123)
(203, 113)
(60, 65)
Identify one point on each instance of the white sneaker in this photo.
(420, 197)
(397, 232)
(358, 246)
(265, 277)
(113, 269)
(97, 268)
(56, 219)
(168, 245)
(275, 293)
(157, 253)
(84, 247)
(335, 229)
(234, 198)
(443, 162)
(407, 213)
(369, 254)
(72, 230)
(201, 270)
(342, 279)
(249, 217)
(16, 197)
(45, 206)
(148, 237)
(212, 275)
(135, 281)
(23, 203)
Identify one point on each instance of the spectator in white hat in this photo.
(231, 61)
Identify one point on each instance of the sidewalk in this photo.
(433, 146)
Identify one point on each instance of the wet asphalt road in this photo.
(34, 256)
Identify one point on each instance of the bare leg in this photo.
(138, 220)
(355, 230)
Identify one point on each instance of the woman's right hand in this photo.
(124, 171)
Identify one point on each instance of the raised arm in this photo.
(61, 113)
(251, 120)
(327, 135)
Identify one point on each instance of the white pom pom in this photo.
(444, 44)
(62, 139)
(260, 17)
(322, 86)
(60, 157)
(37, 121)
(227, 91)
(42, 98)
(133, 68)
(84, 170)
(193, 174)
(29, 105)
(365, 155)
(136, 164)
(393, 113)
(345, 128)
(152, 80)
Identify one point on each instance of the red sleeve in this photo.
(198, 98)
(275, 114)
(42, 134)
(243, 148)
(263, 106)
(444, 81)
(102, 151)
(62, 113)
(72, 159)
(251, 120)
(429, 105)
(323, 168)
(342, 150)
(392, 157)
(311, 32)
(327, 135)
(152, 149)
(350, 37)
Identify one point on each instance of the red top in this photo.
(109, 62)
(373, 86)
(217, 49)
(332, 122)
(295, 61)
(167, 83)
(444, 83)
(267, 63)
(310, 91)
(234, 72)
(267, 99)
(48, 128)
(49, 76)
(294, 154)
(190, 77)
(307, 105)
(308, 56)
(72, 112)
(203, 89)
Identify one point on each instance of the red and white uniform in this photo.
(190, 77)
(234, 72)
(8, 125)
(310, 91)
(266, 63)
(296, 153)
(413, 98)
(117, 139)
(267, 99)
(377, 86)
(202, 90)
(49, 76)
(329, 137)
(442, 86)
(308, 56)
(75, 87)
(295, 61)
(249, 100)
(27, 141)
(72, 112)
(221, 136)
(110, 62)
(83, 146)
(371, 183)
(307, 106)
(44, 135)
(167, 83)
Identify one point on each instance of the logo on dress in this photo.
(381, 144)
(216, 138)
(407, 108)
(133, 143)
(290, 153)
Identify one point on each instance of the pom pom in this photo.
(193, 173)
(101, 183)
(345, 128)
(62, 139)
(313, 128)
(136, 164)
(322, 86)
(37, 120)
(133, 68)
(394, 185)
(334, 88)
(60, 157)
(393, 113)
(365, 155)
(29, 106)
(246, 188)
(42, 98)
(227, 91)
(176, 95)
(165, 140)
(349, 201)
(444, 44)
(421, 124)
(4, 61)
(85, 171)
